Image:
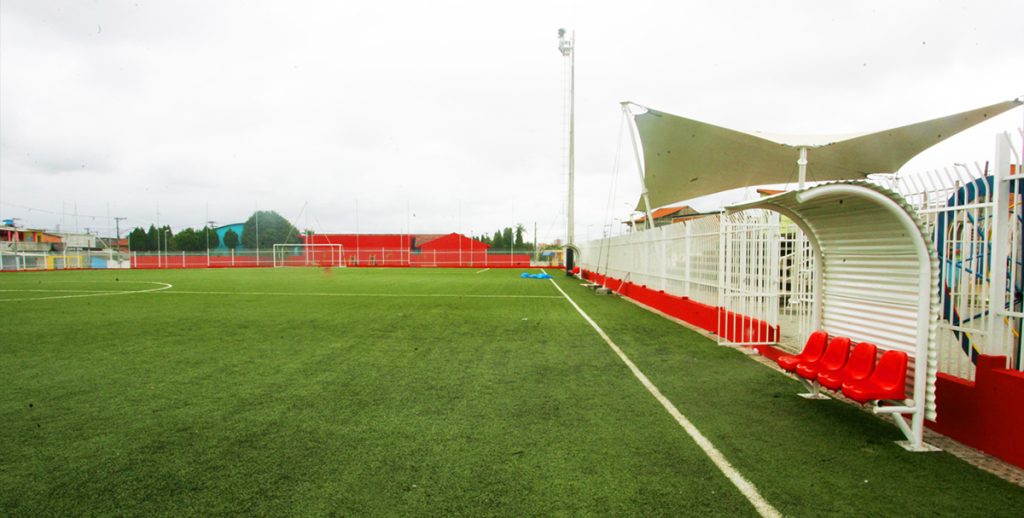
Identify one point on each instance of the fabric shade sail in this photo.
(685, 158)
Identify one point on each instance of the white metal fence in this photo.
(975, 215)
(680, 259)
(747, 281)
(63, 260)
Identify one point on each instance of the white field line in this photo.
(372, 295)
(59, 291)
(484, 270)
(161, 286)
(745, 486)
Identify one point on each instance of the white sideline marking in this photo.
(734, 476)
(87, 293)
(484, 270)
(393, 295)
(60, 291)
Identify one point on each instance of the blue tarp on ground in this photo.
(526, 275)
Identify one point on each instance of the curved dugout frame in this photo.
(876, 278)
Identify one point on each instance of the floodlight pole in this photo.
(117, 226)
(208, 225)
(566, 46)
(257, 235)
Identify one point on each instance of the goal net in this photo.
(309, 255)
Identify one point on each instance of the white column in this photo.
(996, 344)
(802, 167)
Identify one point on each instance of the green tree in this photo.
(272, 229)
(137, 240)
(496, 241)
(151, 239)
(231, 239)
(190, 240)
(519, 235)
(167, 242)
(506, 238)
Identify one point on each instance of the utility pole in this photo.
(117, 229)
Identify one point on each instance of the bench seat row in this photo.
(833, 365)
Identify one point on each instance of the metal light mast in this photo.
(566, 46)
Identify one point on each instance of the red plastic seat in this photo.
(858, 367)
(813, 349)
(833, 359)
(889, 381)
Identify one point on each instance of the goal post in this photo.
(309, 255)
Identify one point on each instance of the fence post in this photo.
(995, 344)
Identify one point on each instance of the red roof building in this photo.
(454, 250)
(665, 216)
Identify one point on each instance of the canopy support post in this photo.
(802, 168)
(639, 164)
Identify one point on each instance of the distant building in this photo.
(665, 216)
(78, 241)
(221, 230)
(29, 240)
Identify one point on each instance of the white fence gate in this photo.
(749, 278)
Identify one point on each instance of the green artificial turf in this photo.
(413, 392)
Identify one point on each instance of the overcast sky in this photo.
(452, 109)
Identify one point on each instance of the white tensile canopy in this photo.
(685, 158)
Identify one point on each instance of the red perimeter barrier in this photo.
(367, 258)
(987, 414)
(710, 318)
(150, 262)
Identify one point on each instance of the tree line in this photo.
(270, 227)
(508, 238)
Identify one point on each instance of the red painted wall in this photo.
(146, 262)
(363, 250)
(987, 414)
(452, 250)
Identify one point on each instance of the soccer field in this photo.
(416, 392)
